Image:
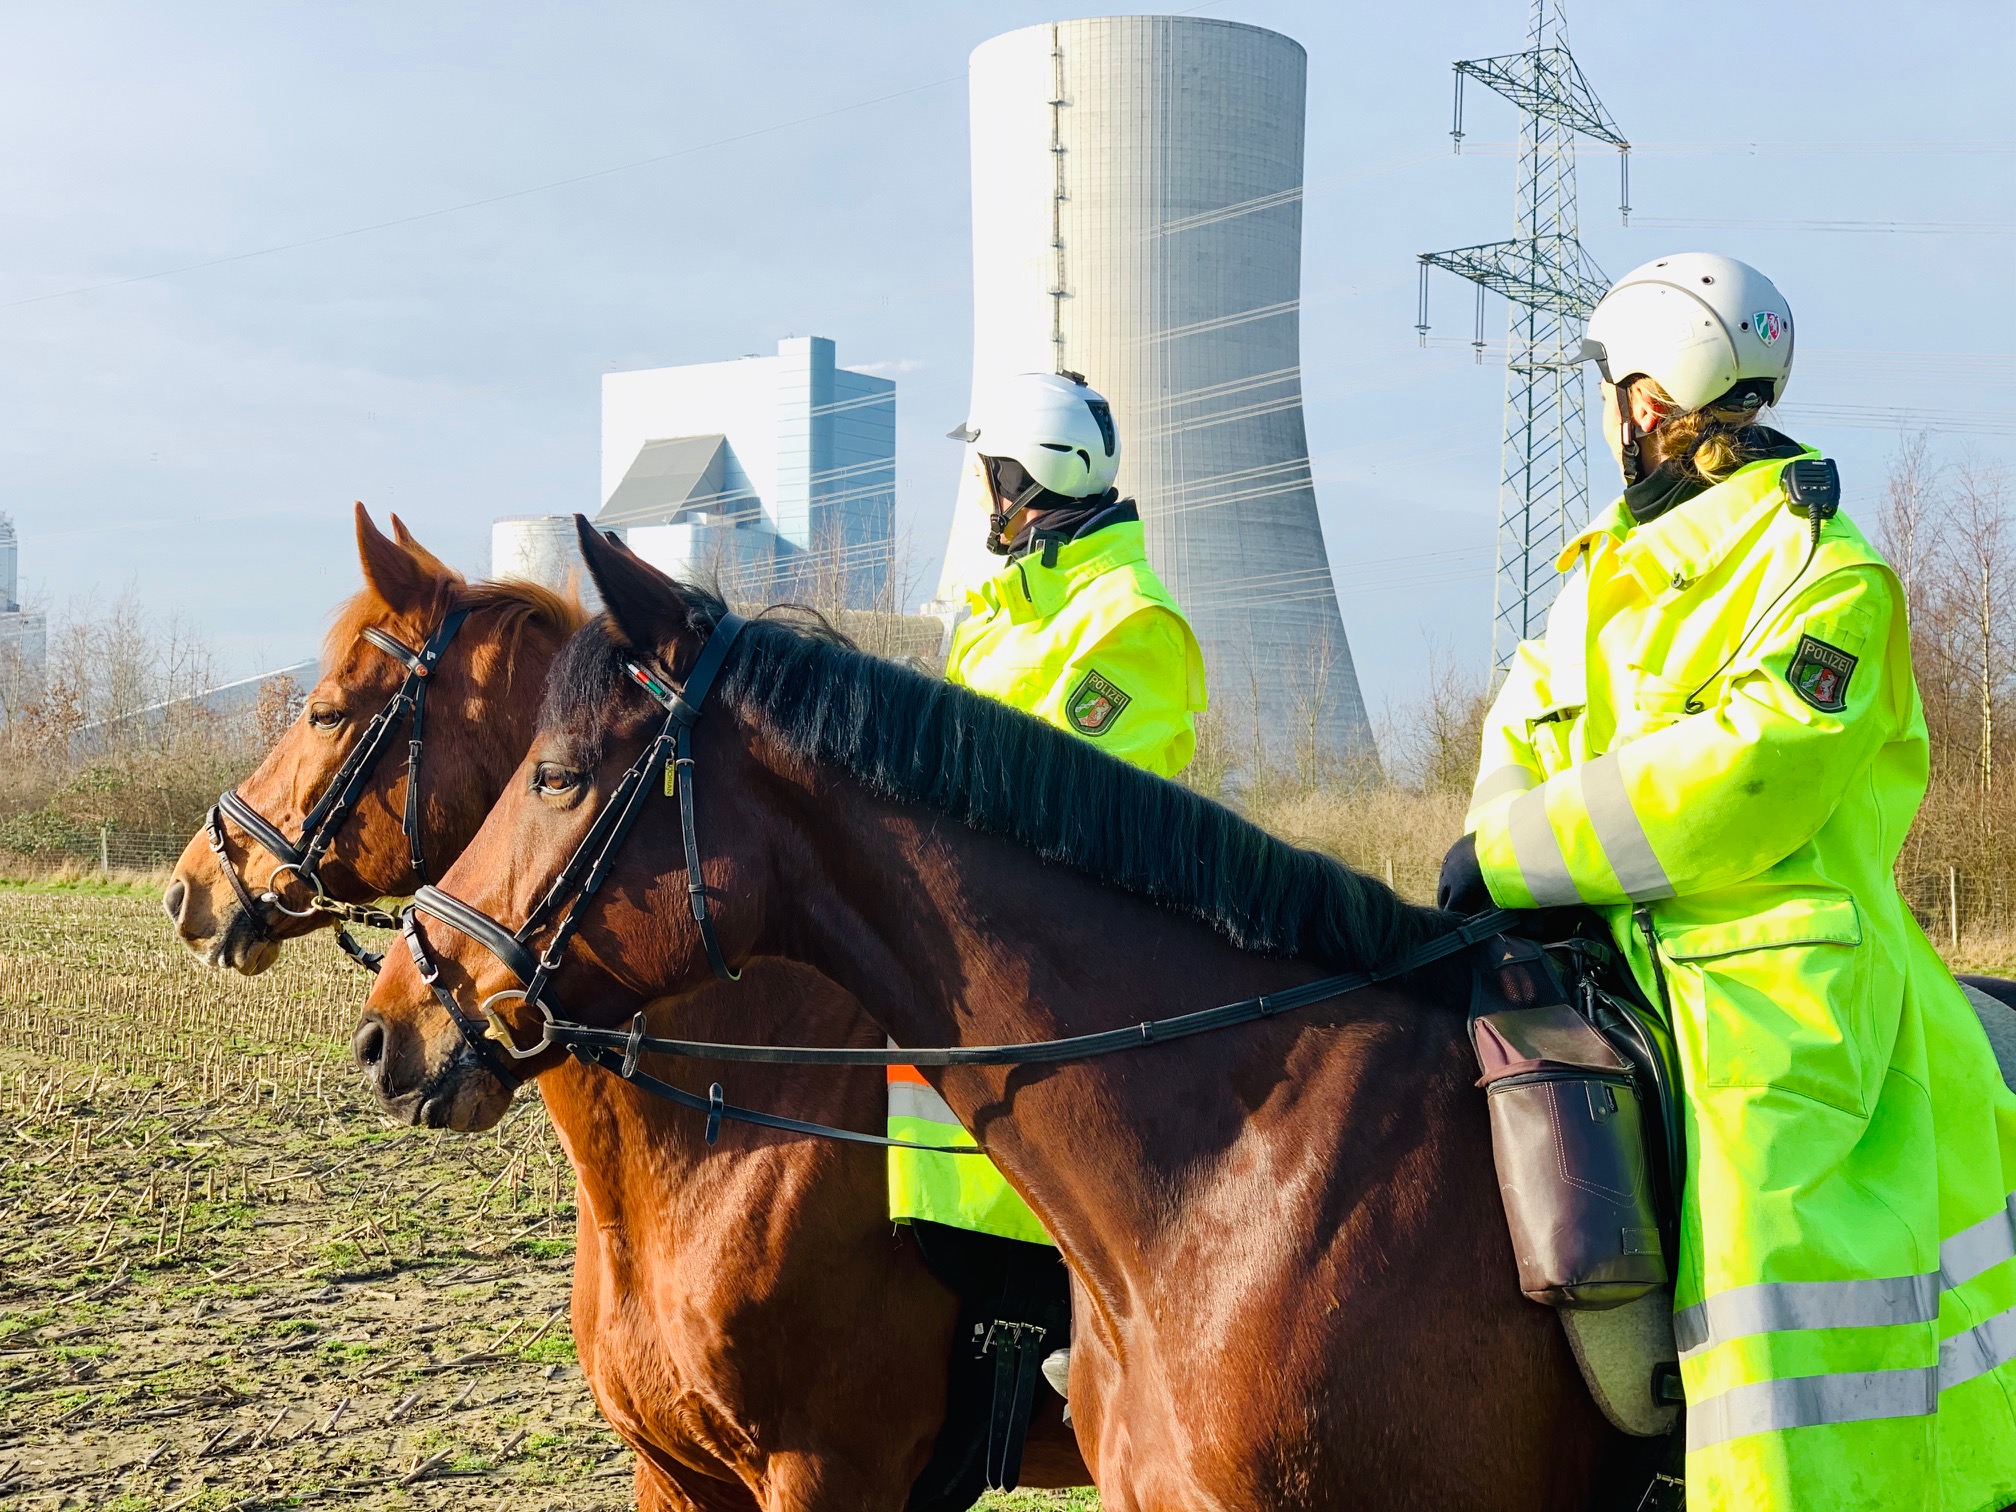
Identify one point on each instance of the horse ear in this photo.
(643, 603)
(402, 580)
(420, 554)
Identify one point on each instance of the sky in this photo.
(257, 261)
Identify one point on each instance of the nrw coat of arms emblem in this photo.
(1094, 704)
(1769, 326)
(1819, 674)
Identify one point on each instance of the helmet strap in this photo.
(1628, 435)
(1004, 524)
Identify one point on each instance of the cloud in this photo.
(895, 367)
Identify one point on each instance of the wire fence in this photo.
(105, 849)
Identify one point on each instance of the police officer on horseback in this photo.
(1718, 746)
(1076, 629)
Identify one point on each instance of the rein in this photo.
(338, 801)
(617, 1050)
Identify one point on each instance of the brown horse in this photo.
(1291, 1278)
(746, 1316)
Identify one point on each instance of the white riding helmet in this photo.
(1698, 325)
(1058, 429)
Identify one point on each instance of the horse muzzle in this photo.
(458, 1092)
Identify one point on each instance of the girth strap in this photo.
(1018, 1365)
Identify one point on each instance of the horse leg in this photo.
(665, 1485)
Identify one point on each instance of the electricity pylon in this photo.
(1551, 284)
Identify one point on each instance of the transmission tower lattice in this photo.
(1551, 284)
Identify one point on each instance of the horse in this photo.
(1292, 1285)
(746, 1316)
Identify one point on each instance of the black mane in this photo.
(916, 739)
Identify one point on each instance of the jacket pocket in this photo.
(1780, 1000)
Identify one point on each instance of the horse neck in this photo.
(958, 938)
(644, 1163)
(955, 936)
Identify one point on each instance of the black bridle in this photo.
(617, 1050)
(582, 877)
(338, 801)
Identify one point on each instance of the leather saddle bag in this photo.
(1569, 1139)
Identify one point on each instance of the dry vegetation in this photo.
(228, 1283)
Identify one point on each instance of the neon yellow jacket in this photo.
(1093, 643)
(1736, 770)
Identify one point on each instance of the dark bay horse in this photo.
(1292, 1283)
(748, 1319)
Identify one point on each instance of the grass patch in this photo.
(81, 887)
(557, 1348)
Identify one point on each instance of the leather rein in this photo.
(332, 810)
(617, 1050)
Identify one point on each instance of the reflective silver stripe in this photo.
(1977, 1351)
(1807, 1401)
(1623, 837)
(1506, 779)
(908, 1099)
(1541, 864)
(1772, 1306)
(1973, 1250)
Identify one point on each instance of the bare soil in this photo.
(227, 1283)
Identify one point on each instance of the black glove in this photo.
(1461, 888)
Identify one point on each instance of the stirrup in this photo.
(1057, 1371)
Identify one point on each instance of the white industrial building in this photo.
(775, 476)
(1137, 204)
(24, 633)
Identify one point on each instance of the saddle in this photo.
(1590, 1149)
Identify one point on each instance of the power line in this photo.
(1857, 227)
(477, 204)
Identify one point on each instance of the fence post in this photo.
(105, 849)
(1953, 905)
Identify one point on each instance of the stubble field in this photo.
(225, 1282)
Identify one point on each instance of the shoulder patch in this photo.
(1095, 704)
(1819, 674)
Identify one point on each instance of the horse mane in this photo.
(916, 739)
(520, 605)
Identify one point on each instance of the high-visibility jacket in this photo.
(1086, 637)
(1735, 772)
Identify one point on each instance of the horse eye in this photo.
(324, 718)
(549, 778)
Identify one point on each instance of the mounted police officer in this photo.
(1076, 629)
(1718, 745)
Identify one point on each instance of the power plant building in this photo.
(775, 476)
(24, 633)
(1137, 214)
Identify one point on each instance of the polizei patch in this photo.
(1819, 674)
(1094, 704)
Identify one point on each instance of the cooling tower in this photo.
(541, 549)
(1137, 218)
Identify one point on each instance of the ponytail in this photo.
(1707, 444)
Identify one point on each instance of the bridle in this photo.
(582, 877)
(332, 810)
(617, 1050)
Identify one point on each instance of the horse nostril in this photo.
(173, 899)
(368, 1045)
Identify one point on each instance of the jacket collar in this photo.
(1685, 543)
(1029, 590)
